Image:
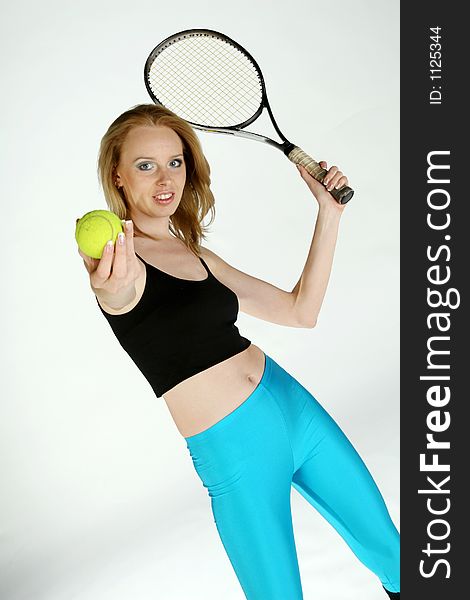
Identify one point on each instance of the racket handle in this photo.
(299, 157)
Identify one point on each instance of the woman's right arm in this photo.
(113, 277)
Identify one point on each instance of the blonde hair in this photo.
(197, 199)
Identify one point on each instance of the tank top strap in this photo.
(205, 266)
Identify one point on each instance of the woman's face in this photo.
(152, 164)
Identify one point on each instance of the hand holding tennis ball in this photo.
(113, 268)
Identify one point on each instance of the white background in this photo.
(99, 497)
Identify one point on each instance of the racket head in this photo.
(206, 78)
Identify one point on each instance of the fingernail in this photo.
(337, 186)
(325, 182)
(121, 238)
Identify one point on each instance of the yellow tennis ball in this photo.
(95, 229)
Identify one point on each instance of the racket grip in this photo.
(299, 157)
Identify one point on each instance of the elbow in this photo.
(300, 318)
(307, 322)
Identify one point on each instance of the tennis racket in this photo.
(215, 85)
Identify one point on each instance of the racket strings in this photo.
(216, 79)
(207, 81)
(215, 82)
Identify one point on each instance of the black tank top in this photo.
(179, 327)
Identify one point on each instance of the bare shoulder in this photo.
(226, 273)
(208, 255)
(214, 261)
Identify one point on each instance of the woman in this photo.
(252, 430)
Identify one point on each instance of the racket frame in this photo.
(285, 146)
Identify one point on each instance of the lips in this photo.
(164, 197)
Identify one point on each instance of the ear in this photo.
(116, 178)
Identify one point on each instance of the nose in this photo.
(163, 177)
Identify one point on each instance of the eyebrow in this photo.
(151, 157)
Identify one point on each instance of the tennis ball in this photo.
(95, 229)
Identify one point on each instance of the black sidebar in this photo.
(435, 435)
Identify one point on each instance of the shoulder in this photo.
(213, 260)
(206, 253)
(222, 270)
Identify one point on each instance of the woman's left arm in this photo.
(300, 307)
(310, 290)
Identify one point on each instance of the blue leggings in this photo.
(279, 437)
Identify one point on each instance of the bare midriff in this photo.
(205, 398)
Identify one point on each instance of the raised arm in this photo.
(310, 290)
(299, 307)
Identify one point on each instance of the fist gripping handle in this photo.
(299, 157)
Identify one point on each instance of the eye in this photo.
(176, 162)
(143, 165)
